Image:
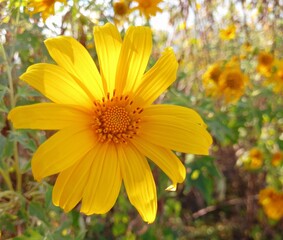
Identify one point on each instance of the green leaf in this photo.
(37, 210)
(30, 234)
(3, 90)
(202, 176)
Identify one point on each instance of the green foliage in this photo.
(203, 175)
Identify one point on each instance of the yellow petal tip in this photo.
(172, 188)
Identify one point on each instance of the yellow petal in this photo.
(163, 158)
(175, 133)
(104, 183)
(157, 79)
(108, 44)
(139, 182)
(73, 57)
(134, 55)
(61, 151)
(70, 184)
(48, 116)
(172, 188)
(56, 84)
(184, 113)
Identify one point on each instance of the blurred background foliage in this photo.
(230, 71)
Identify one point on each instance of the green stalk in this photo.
(13, 104)
(7, 179)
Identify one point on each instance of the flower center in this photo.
(266, 60)
(215, 73)
(233, 81)
(120, 8)
(115, 119)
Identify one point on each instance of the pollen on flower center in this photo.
(115, 119)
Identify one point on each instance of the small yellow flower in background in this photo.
(148, 8)
(45, 7)
(232, 84)
(228, 33)
(225, 81)
(277, 158)
(276, 77)
(198, 6)
(272, 202)
(246, 50)
(120, 8)
(247, 47)
(265, 62)
(251, 160)
(182, 26)
(255, 159)
(210, 78)
(108, 125)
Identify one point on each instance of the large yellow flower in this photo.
(272, 202)
(148, 7)
(45, 7)
(107, 124)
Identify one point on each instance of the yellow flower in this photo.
(265, 63)
(276, 77)
(107, 124)
(121, 8)
(198, 6)
(228, 33)
(211, 77)
(45, 7)
(247, 47)
(277, 158)
(225, 81)
(148, 7)
(232, 83)
(255, 159)
(272, 202)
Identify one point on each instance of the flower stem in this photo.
(13, 98)
(12, 104)
(6, 178)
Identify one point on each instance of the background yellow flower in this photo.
(277, 158)
(210, 78)
(225, 81)
(272, 202)
(276, 77)
(45, 7)
(255, 159)
(121, 8)
(232, 84)
(265, 63)
(148, 8)
(228, 33)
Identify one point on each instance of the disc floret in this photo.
(116, 119)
